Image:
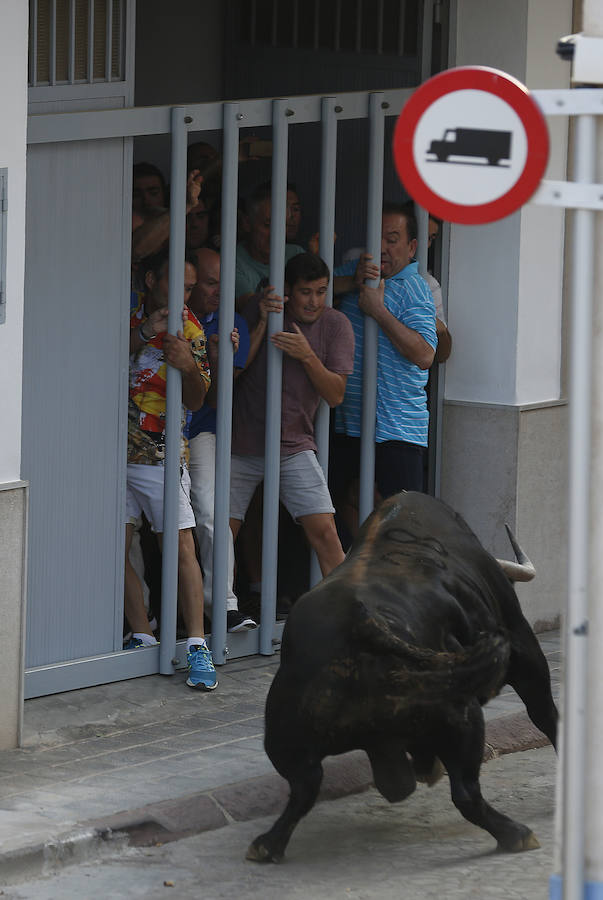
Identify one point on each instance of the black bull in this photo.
(395, 653)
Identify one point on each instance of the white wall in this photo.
(542, 228)
(505, 281)
(13, 111)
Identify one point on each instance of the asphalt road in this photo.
(356, 847)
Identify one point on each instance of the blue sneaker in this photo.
(133, 644)
(136, 644)
(201, 671)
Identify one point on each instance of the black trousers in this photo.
(398, 466)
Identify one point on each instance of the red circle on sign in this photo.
(505, 87)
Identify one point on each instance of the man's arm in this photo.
(150, 237)
(178, 353)
(444, 348)
(365, 269)
(141, 334)
(409, 343)
(330, 385)
(212, 355)
(267, 303)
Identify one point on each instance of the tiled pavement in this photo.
(92, 753)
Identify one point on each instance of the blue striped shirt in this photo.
(401, 399)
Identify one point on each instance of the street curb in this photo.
(172, 820)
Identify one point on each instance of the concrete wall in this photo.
(13, 515)
(13, 493)
(504, 434)
(509, 464)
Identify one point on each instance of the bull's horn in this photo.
(523, 569)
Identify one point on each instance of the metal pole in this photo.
(173, 398)
(221, 561)
(52, 50)
(109, 41)
(327, 252)
(593, 820)
(272, 454)
(371, 331)
(426, 38)
(423, 238)
(576, 620)
(90, 41)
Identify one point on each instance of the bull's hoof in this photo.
(259, 852)
(528, 841)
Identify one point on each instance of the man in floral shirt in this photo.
(152, 349)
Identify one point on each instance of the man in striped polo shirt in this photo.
(403, 308)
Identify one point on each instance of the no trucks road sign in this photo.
(471, 145)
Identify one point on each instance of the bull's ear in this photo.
(523, 569)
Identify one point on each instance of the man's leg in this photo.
(202, 470)
(398, 467)
(190, 584)
(134, 608)
(322, 536)
(305, 493)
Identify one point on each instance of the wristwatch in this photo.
(142, 335)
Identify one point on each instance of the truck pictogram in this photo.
(475, 142)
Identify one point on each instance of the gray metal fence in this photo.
(281, 115)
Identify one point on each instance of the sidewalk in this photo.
(157, 761)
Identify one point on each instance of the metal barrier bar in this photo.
(52, 48)
(426, 38)
(90, 41)
(401, 21)
(71, 64)
(272, 453)
(576, 620)
(173, 398)
(371, 331)
(422, 237)
(109, 40)
(33, 41)
(147, 120)
(221, 562)
(328, 179)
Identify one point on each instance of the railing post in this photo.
(221, 562)
(173, 398)
(573, 754)
(328, 172)
(371, 331)
(272, 452)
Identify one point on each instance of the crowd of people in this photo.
(322, 350)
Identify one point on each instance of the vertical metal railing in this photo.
(71, 63)
(221, 561)
(401, 20)
(371, 331)
(90, 41)
(109, 40)
(33, 41)
(272, 455)
(52, 49)
(173, 398)
(576, 621)
(328, 172)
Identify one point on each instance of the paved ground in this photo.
(154, 758)
(358, 847)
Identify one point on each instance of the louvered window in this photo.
(75, 41)
(388, 27)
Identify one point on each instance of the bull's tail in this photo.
(475, 671)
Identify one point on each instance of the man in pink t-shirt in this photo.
(318, 355)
